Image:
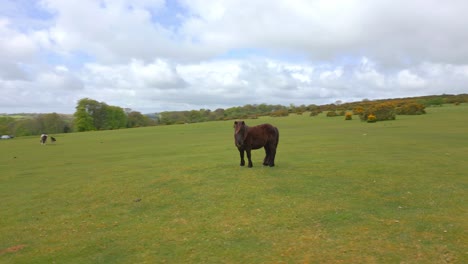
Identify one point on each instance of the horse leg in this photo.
(249, 157)
(267, 156)
(242, 162)
(272, 155)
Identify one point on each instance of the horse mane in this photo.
(244, 128)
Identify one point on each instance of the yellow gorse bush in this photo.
(371, 118)
(348, 116)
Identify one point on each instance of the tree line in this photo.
(92, 115)
(35, 124)
(203, 115)
(89, 115)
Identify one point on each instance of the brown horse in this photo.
(247, 138)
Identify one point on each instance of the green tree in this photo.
(94, 109)
(218, 114)
(194, 116)
(136, 119)
(52, 123)
(6, 125)
(101, 116)
(83, 120)
(115, 117)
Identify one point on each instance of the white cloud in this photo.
(214, 75)
(159, 74)
(368, 74)
(408, 79)
(13, 44)
(160, 55)
(16, 49)
(58, 81)
(331, 75)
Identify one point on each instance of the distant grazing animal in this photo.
(247, 138)
(52, 139)
(43, 139)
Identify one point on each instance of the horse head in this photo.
(239, 133)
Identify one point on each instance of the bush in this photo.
(279, 113)
(315, 112)
(358, 110)
(435, 101)
(331, 114)
(411, 108)
(348, 116)
(371, 118)
(382, 112)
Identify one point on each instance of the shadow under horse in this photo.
(247, 138)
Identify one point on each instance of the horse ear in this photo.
(243, 123)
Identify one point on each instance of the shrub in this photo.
(435, 101)
(382, 112)
(411, 108)
(331, 113)
(371, 118)
(279, 113)
(315, 112)
(348, 116)
(358, 110)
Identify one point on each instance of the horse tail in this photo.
(277, 136)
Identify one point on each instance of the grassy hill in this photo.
(341, 191)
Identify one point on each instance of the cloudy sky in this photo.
(161, 55)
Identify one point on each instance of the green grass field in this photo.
(341, 192)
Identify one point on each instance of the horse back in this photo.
(261, 135)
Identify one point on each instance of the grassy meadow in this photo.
(341, 192)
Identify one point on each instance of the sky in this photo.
(173, 55)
